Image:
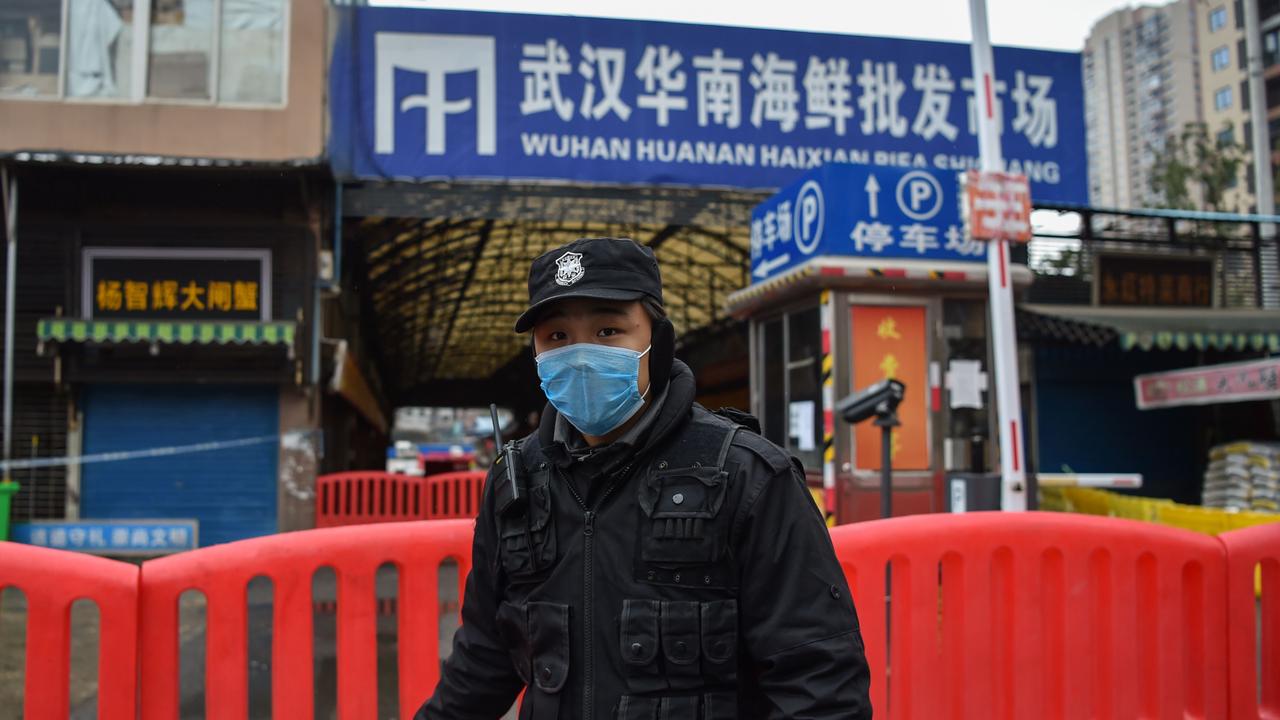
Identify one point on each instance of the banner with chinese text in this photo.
(173, 284)
(422, 93)
(890, 342)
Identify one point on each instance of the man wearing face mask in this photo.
(654, 561)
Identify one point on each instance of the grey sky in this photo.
(1031, 23)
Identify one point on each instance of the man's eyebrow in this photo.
(607, 310)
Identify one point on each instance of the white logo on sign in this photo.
(569, 268)
(919, 195)
(437, 57)
(808, 217)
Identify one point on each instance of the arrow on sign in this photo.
(767, 266)
(873, 195)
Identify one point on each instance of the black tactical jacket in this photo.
(695, 581)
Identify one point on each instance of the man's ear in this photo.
(661, 354)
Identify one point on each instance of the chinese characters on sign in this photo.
(997, 206)
(890, 342)
(1154, 281)
(111, 537)
(881, 213)
(615, 100)
(176, 284)
(1232, 382)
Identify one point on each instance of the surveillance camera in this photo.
(878, 400)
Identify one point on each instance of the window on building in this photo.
(1238, 7)
(1217, 19)
(1227, 136)
(1242, 55)
(1221, 58)
(1222, 98)
(791, 373)
(224, 51)
(1244, 95)
(31, 48)
(1270, 48)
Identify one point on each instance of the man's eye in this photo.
(557, 336)
(607, 332)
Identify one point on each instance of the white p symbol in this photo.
(919, 195)
(920, 191)
(808, 220)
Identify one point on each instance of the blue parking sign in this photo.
(861, 211)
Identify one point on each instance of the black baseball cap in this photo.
(602, 268)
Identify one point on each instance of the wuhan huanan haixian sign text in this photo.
(445, 94)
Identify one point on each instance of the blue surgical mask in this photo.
(595, 387)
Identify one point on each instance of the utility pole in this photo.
(1004, 341)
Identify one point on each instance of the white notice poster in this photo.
(801, 424)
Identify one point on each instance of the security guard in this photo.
(651, 560)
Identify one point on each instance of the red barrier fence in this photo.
(359, 498)
(1040, 615)
(290, 561)
(362, 498)
(454, 495)
(1254, 622)
(52, 580)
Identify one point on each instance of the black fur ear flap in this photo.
(661, 355)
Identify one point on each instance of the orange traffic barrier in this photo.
(999, 615)
(290, 561)
(52, 580)
(454, 494)
(358, 498)
(1254, 659)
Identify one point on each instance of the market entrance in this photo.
(438, 274)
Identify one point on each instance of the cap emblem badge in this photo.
(569, 269)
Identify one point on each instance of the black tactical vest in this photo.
(627, 608)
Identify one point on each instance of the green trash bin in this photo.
(7, 491)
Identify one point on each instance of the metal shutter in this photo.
(232, 492)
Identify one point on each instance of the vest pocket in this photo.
(680, 646)
(720, 640)
(632, 707)
(639, 645)
(549, 644)
(528, 538)
(681, 506)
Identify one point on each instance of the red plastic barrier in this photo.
(1039, 615)
(454, 495)
(359, 498)
(1254, 660)
(52, 581)
(290, 560)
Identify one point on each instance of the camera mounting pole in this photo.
(886, 423)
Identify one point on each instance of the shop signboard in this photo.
(1226, 383)
(176, 284)
(1153, 281)
(861, 211)
(111, 537)
(890, 341)
(419, 93)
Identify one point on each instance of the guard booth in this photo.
(861, 273)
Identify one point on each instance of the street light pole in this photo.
(1013, 495)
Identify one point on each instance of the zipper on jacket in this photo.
(588, 589)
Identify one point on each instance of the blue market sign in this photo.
(419, 94)
(861, 211)
(111, 537)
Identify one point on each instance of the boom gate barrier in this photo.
(994, 615)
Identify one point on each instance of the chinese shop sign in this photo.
(1153, 281)
(111, 537)
(997, 206)
(177, 284)
(890, 342)
(1231, 382)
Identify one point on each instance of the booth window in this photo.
(222, 51)
(791, 346)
